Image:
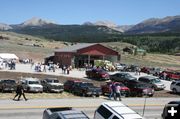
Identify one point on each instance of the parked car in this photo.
(87, 89)
(125, 91)
(122, 77)
(170, 75)
(52, 85)
(99, 74)
(115, 110)
(155, 82)
(120, 66)
(139, 88)
(32, 85)
(166, 115)
(131, 68)
(175, 86)
(154, 71)
(69, 84)
(63, 113)
(7, 85)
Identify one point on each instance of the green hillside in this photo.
(159, 42)
(70, 33)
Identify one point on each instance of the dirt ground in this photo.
(17, 76)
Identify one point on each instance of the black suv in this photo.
(7, 85)
(168, 107)
(122, 77)
(86, 89)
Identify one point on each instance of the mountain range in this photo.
(98, 30)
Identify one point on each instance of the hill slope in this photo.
(70, 33)
(155, 25)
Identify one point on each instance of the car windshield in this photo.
(128, 75)
(87, 84)
(56, 81)
(101, 71)
(53, 81)
(119, 84)
(156, 80)
(141, 86)
(9, 81)
(33, 82)
(49, 81)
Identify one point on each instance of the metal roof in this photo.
(74, 48)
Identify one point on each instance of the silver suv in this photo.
(175, 86)
(155, 82)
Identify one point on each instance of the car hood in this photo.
(132, 78)
(159, 83)
(125, 88)
(35, 85)
(56, 84)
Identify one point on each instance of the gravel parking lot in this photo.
(26, 71)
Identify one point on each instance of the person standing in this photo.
(110, 91)
(68, 70)
(19, 92)
(118, 92)
(113, 88)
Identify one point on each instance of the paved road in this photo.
(33, 109)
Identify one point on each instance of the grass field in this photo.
(152, 60)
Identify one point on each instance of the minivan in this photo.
(115, 110)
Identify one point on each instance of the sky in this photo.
(121, 12)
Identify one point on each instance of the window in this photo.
(178, 84)
(115, 117)
(104, 112)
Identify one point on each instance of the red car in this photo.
(125, 91)
(139, 88)
(145, 70)
(99, 74)
(68, 85)
(170, 75)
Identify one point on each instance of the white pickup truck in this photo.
(32, 85)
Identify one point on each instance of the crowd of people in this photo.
(51, 67)
(10, 64)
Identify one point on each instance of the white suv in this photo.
(115, 110)
(32, 85)
(175, 86)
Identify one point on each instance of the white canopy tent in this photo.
(8, 56)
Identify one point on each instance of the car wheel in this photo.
(139, 94)
(83, 94)
(97, 95)
(174, 91)
(2, 90)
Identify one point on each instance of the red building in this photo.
(79, 54)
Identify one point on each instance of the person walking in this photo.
(118, 92)
(19, 92)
